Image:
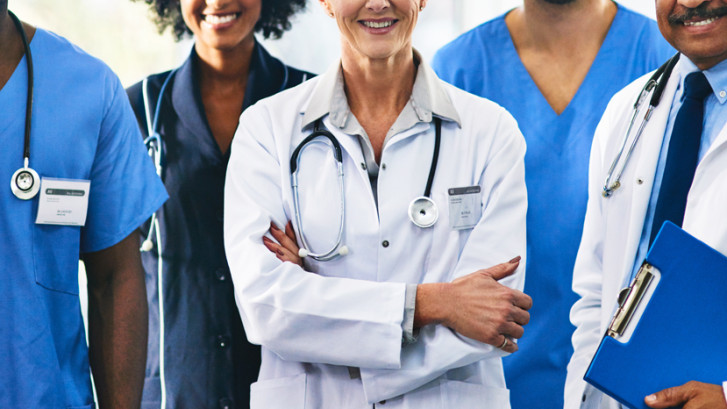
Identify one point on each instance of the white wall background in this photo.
(120, 32)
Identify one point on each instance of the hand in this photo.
(286, 249)
(691, 395)
(477, 306)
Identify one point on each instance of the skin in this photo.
(116, 290)
(379, 71)
(705, 46)
(225, 51)
(117, 323)
(557, 42)
(373, 61)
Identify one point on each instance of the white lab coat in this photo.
(613, 225)
(348, 312)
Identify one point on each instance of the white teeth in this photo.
(374, 24)
(700, 23)
(215, 19)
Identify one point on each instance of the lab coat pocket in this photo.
(279, 393)
(464, 395)
(55, 267)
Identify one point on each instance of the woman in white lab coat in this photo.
(613, 225)
(409, 316)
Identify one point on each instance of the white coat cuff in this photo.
(407, 325)
(724, 390)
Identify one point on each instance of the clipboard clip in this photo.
(629, 299)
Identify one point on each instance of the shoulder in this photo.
(478, 37)
(643, 32)
(153, 84)
(286, 104)
(66, 61)
(485, 121)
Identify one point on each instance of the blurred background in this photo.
(120, 32)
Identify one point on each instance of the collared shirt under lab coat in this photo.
(613, 226)
(348, 312)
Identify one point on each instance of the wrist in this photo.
(431, 304)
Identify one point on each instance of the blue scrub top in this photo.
(82, 128)
(484, 61)
(208, 361)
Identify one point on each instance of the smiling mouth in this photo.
(216, 19)
(378, 24)
(700, 23)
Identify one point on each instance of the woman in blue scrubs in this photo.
(198, 355)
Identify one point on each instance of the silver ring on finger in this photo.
(504, 344)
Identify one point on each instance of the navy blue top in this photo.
(484, 61)
(208, 361)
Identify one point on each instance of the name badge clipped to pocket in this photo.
(465, 207)
(63, 202)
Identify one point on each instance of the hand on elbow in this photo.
(487, 311)
(479, 307)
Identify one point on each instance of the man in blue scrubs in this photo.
(554, 64)
(97, 186)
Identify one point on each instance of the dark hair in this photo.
(274, 16)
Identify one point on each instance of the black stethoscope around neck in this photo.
(422, 210)
(25, 182)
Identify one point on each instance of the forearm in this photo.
(118, 337)
(117, 323)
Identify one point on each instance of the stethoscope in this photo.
(25, 182)
(155, 149)
(656, 83)
(423, 210)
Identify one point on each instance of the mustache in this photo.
(701, 12)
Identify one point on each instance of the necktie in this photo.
(681, 159)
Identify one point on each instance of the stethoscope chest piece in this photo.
(423, 212)
(25, 183)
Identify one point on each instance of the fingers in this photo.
(522, 300)
(508, 345)
(291, 233)
(284, 238)
(667, 398)
(500, 271)
(286, 249)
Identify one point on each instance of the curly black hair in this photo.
(274, 16)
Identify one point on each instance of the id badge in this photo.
(63, 201)
(465, 208)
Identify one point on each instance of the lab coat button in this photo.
(225, 403)
(383, 166)
(385, 243)
(723, 94)
(222, 341)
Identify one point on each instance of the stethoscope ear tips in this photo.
(302, 253)
(146, 245)
(343, 250)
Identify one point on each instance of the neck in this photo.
(11, 44)
(554, 26)
(227, 67)
(378, 85)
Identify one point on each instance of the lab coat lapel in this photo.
(647, 158)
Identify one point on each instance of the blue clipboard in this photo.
(671, 326)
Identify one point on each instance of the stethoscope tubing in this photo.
(657, 82)
(334, 251)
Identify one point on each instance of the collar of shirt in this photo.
(428, 98)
